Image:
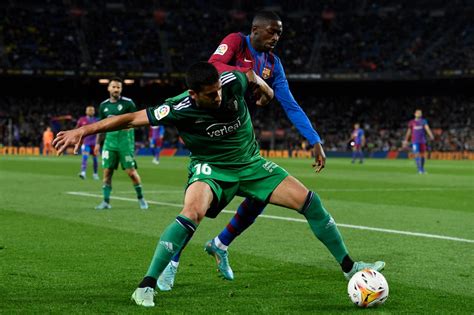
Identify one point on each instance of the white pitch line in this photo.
(350, 226)
(181, 192)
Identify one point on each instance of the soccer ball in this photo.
(368, 288)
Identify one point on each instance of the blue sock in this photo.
(94, 160)
(246, 214)
(354, 155)
(84, 162)
(157, 153)
(418, 163)
(423, 164)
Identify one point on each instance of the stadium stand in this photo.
(405, 37)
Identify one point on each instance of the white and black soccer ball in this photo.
(368, 288)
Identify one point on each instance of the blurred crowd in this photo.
(385, 121)
(396, 36)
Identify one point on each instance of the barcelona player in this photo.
(357, 142)
(155, 138)
(88, 145)
(417, 129)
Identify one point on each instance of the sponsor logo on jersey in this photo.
(106, 109)
(246, 60)
(162, 111)
(222, 129)
(119, 107)
(221, 50)
(266, 73)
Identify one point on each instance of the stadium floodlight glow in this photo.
(104, 81)
(128, 81)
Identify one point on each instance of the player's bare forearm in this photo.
(74, 137)
(118, 122)
(260, 87)
(319, 157)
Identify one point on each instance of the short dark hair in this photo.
(200, 74)
(117, 79)
(265, 16)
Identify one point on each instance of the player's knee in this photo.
(132, 173)
(194, 213)
(107, 179)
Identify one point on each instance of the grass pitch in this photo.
(59, 255)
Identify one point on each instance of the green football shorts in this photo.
(111, 159)
(256, 180)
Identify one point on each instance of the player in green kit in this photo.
(213, 121)
(119, 146)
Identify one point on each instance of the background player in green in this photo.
(119, 146)
(214, 122)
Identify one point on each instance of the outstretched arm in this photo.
(74, 137)
(297, 116)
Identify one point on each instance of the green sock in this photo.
(171, 240)
(138, 189)
(324, 227)
(106, 189)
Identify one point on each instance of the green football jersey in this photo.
(120, 140)
(219, 136)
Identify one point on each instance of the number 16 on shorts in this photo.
(204, 169)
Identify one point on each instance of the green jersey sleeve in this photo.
(237, 80)
(243, 82)
(162, 115)
(101, 111)
(132, 107)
